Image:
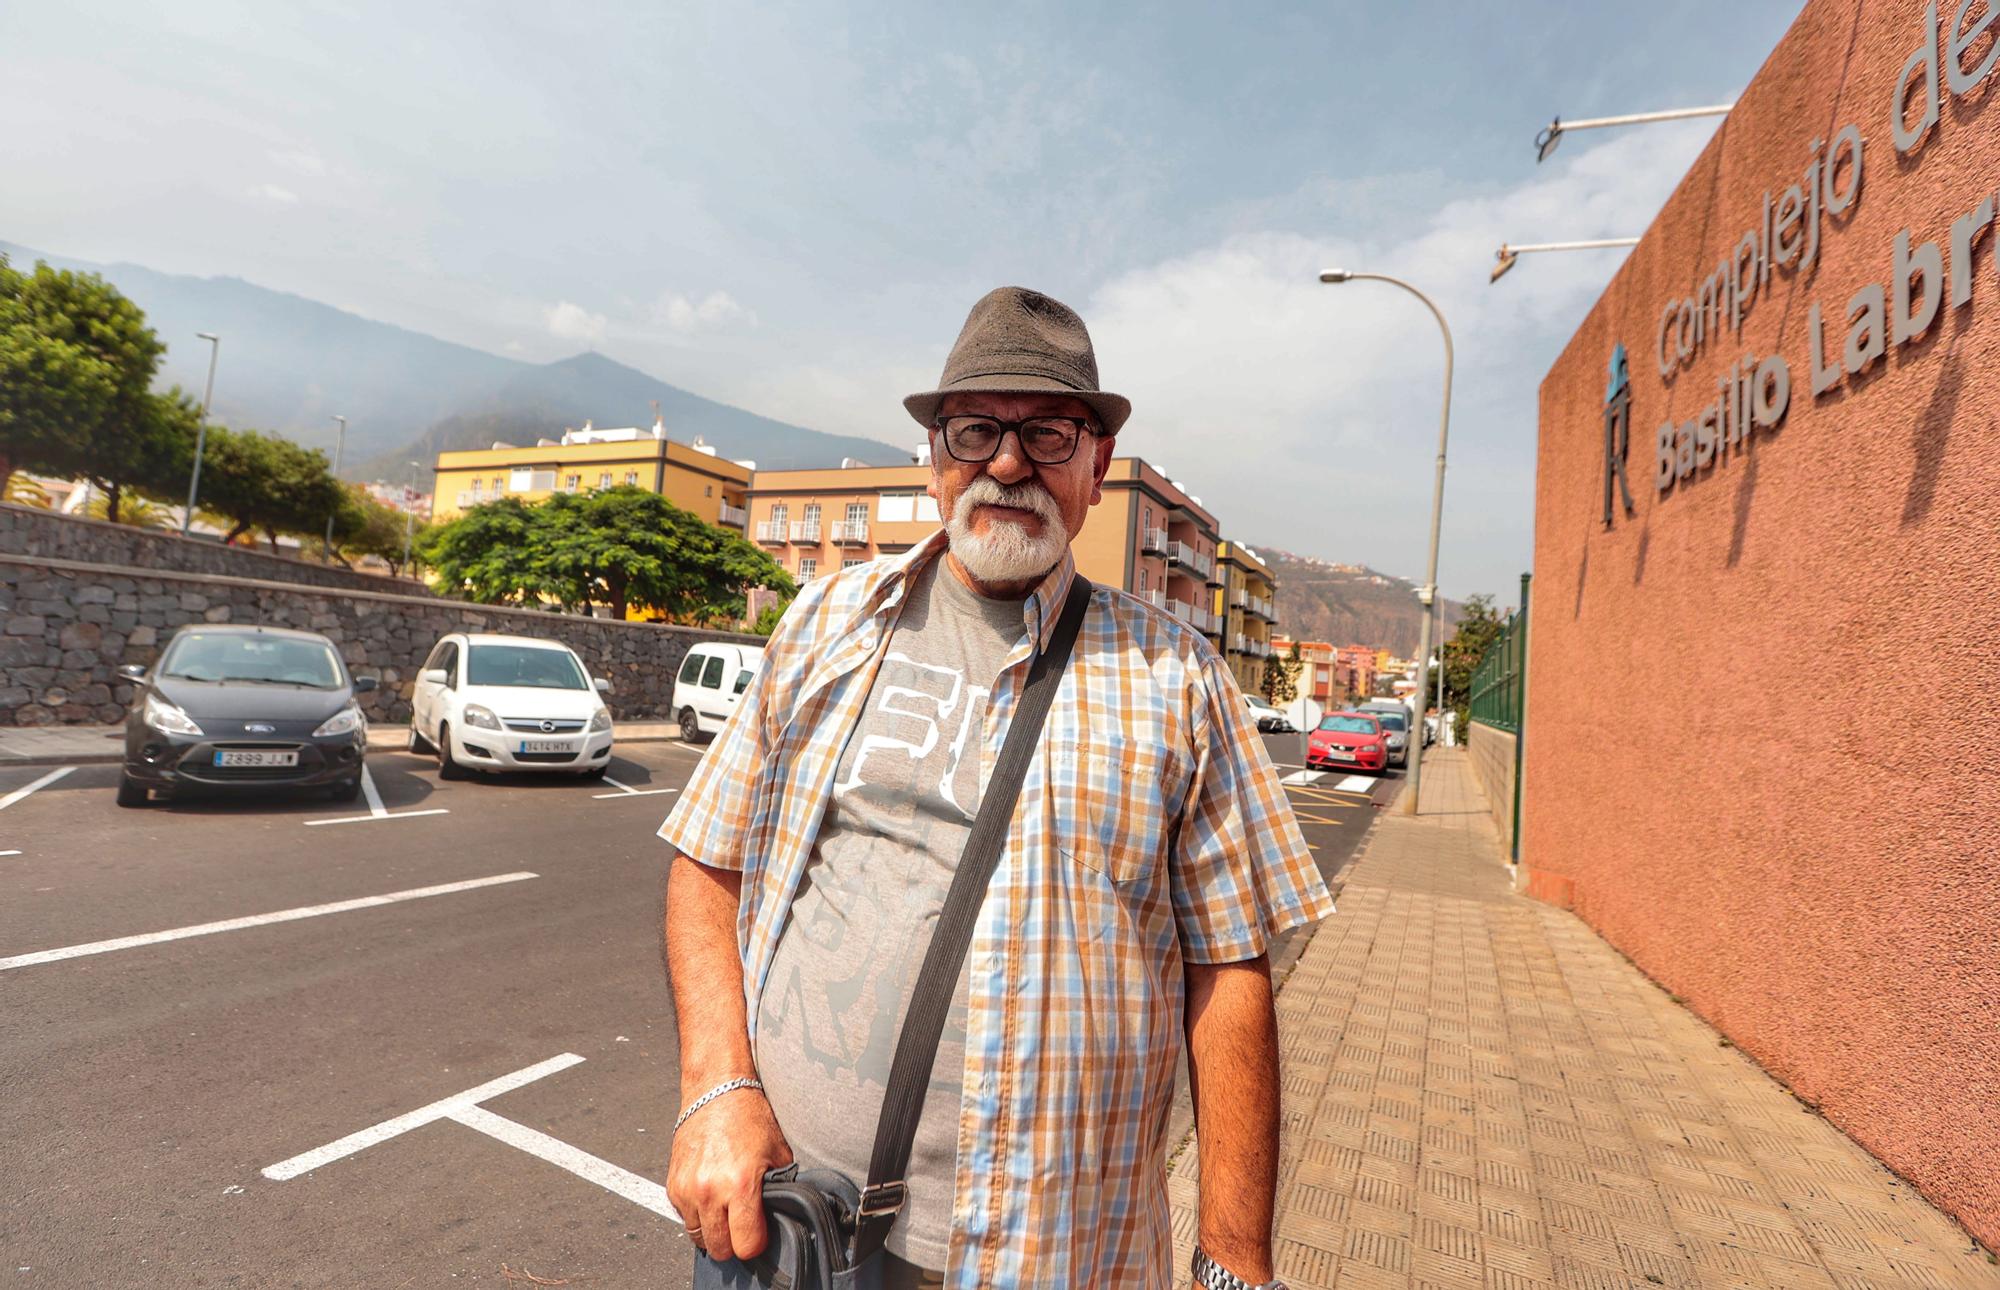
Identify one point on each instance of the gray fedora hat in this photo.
(1017, 341)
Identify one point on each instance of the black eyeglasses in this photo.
(1047, 441)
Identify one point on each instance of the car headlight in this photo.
(481, 717)
(345, 721)
(165, 717)
(600, 721)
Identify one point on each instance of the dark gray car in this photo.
(233, 707)
(1395, 719)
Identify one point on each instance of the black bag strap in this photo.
(937, 982)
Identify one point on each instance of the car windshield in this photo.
(252, 659)
(1393, 721)
(1256, 702)
(1349, 725)
(523, 666)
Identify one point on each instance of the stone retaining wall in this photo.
(28, 531)
(66, 627)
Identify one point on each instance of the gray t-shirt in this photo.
(904, 798)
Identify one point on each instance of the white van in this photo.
(710, 684)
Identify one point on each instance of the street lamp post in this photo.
(1427, 594)
(339, 442)
(1551, 135)
(201, 426)
(410, 513)
(1507, 253)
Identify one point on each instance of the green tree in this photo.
(769, 617)
(626, 547)
(623, 547)
(24, 491)
(1460, 658)
(1281, 676)
(487, 554)
(77, 363)
(257, 481)
(367, 527)
(134, 512)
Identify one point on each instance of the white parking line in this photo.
(626, 790)
(41, 783)
(463, 1108)
(368, 791)
(9, 853)
(1304, 777)
(1355, 784)
(254, 920)
(622, 1182)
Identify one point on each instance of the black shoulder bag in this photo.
(826, 1233)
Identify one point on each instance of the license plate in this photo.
(1340, 754)
(546, 745)
(238, 757)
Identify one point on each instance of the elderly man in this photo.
(1150, 859)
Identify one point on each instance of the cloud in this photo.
(274, 193)
(685, 314)
(573, 322)
(300, 162)
(1238, 359)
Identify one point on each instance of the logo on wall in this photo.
(1617, 430)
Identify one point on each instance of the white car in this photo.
(711, 683)
(1270, 718)
(509, 703)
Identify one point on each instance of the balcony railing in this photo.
(805, 532)
(1189, 559)
(472, 499)
(1238, 598)
(1236, 643)
(771, 531)
(1158, 599)
(1259, 606)
(734, 516)
(850, 532)
(1153, 542)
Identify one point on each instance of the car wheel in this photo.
(131, 792)
(690, 728)
(419, 744)
(448, 767)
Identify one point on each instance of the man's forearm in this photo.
(1232, 1030)
(707, 975)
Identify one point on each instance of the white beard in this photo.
(1006, 552)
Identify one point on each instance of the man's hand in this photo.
(715, 1180)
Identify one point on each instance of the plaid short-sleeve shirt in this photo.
(1151, 832)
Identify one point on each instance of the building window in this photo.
(708, 490)
(572, 482)
(779, 513)
(857, 512)
(849, 564)
(894, 508)
(631, 478)
(477, 485)
(1145, 580)
(811, 515)
(604, 479)
(808, 567)
(927, 508)
(498, 485)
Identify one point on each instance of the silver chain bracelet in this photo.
(727, 1086)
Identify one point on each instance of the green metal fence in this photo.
(1500, 681)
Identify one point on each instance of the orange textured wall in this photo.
(1764, 709)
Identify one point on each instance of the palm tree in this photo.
(24, 491)
(133, 512)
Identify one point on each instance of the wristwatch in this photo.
(1213, 1276)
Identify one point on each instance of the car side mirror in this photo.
(601, 685)
(132, 672)
(363, 684)
(435, 675)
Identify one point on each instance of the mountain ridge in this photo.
(1348, 604)
(289, 364)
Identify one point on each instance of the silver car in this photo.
(1395, 719)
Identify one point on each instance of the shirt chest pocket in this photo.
(1114, 804)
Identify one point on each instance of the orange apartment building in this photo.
(1333, 675)
(1247, 604)
(1148, 536)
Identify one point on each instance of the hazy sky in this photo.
(791, 207)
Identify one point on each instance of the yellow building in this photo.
(693, 476)
(1247, 602)
(1147, 536)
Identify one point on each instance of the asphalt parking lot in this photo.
(418, 1039)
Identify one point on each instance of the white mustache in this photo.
(988, 491)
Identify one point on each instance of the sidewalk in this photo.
(97, 745)
(1480, 1092)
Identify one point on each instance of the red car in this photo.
(1349, 739)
